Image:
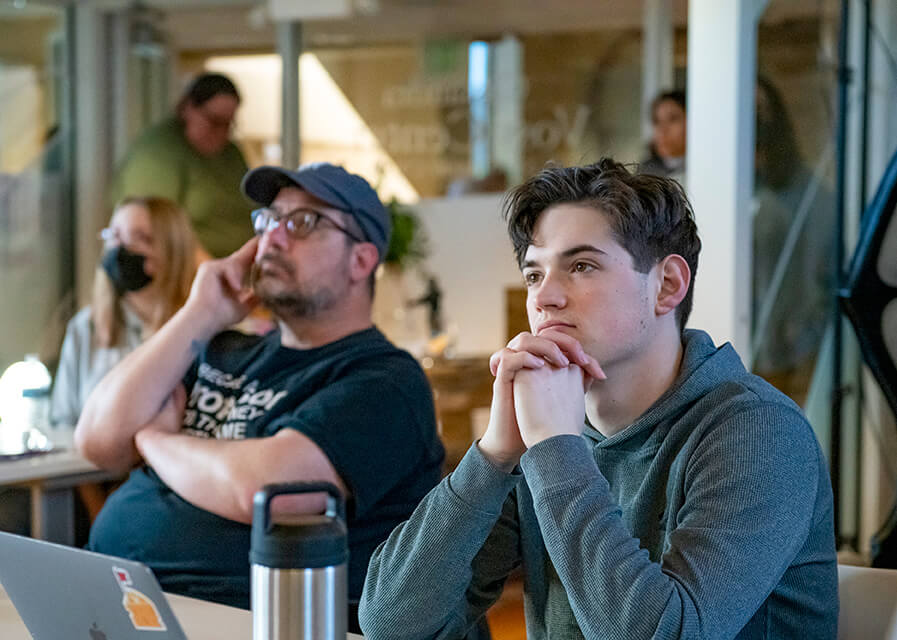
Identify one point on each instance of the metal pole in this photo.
(862, 194)
(840, 152)
(864, 121)
(120, 48)
(657, 55)
(69, 140)
(289, 45)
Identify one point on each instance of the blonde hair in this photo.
(177, 250)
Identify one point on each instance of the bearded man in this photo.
(206, 416)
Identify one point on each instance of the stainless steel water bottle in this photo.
(299, 583)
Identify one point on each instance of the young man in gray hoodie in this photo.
(680, 496)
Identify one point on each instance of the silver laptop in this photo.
(63, 592)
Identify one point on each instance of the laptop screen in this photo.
(64, 592)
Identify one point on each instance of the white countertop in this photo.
(62, 461)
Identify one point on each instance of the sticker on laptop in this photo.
(142, 611)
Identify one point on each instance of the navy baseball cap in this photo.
(334, 185)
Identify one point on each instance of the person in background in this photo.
(144, 276)
(793, 242)
(190, 158)
(209, 416)
(646, 483)
(666, 152)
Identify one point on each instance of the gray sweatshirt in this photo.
(710, 516)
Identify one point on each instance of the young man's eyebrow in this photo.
(567, 253)
(581, 248)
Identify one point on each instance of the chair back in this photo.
(868, 603)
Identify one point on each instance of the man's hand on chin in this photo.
(220, 296)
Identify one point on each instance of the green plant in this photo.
(408, 243)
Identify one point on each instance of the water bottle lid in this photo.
(298, 542)
(310, 542)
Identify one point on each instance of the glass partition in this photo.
(794, 205)
(36, 256)
(451, 116)
(794, 273)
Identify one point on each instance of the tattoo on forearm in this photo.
(197, 347)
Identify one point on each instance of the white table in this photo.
(51, 478)
(200, 620)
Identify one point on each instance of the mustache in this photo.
(270, 258)
(275, 259)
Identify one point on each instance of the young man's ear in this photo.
(675, 278)
(365, 258)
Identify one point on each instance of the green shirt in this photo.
(162, 163)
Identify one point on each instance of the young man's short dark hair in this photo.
(650, 216)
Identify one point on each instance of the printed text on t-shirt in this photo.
(220, 406)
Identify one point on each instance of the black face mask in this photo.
(125, 269)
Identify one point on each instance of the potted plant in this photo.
(408, 244)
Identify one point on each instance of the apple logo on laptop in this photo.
(95, 633)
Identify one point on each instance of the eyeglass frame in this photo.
(278, 218)
(110, 236)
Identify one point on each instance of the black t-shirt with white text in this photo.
(364, 402)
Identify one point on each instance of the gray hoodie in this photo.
(710, 516)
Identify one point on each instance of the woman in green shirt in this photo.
(190, 159)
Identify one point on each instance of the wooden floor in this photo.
(506, 616)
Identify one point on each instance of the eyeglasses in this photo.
(299, 223)
(109, 235)
(113, 235)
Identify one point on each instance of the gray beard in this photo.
(298, 305)
(295, 304)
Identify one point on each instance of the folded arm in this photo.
(133, 393)
(222, 476)
(328, 437)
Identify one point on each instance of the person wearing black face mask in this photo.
(126, 269)
(143, 277)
